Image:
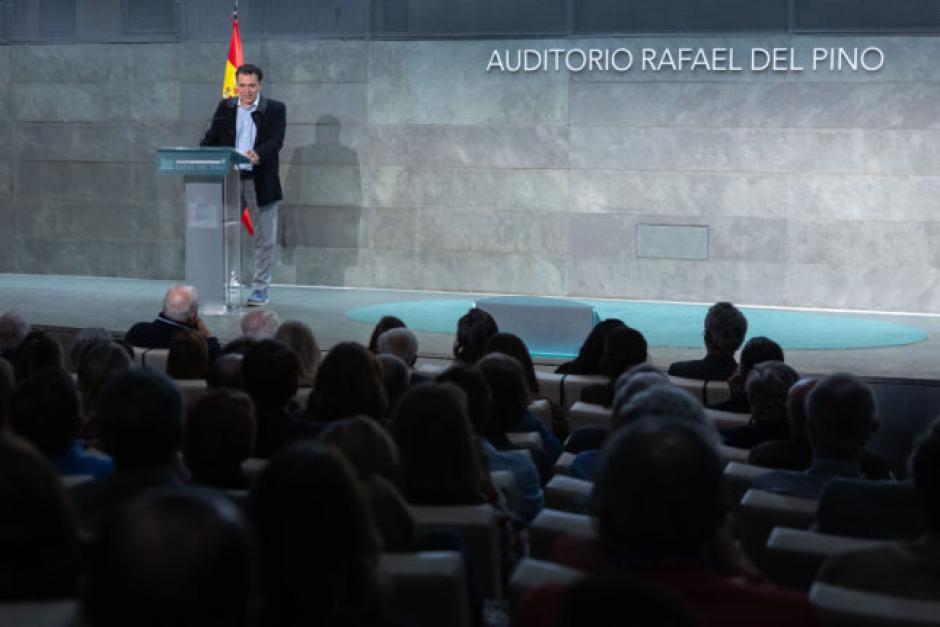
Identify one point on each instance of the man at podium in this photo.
(254, 125)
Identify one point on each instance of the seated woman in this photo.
(589, 356)
(218, 437)
(188, 357)
(299, 337)
(348, 383)
(473, 330)
(624, 348)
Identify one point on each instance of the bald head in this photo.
(180, 304)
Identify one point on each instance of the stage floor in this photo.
(76, 302)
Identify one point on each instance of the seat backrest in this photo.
(844, 607)
(567, 494)
(709, 392)
(550, 524)
(530, 573)
(759, 512)
(732, 454)
(582, 414)
(191, 390)
(549, 385)
(73, 480)
(727, 419)
(429, 587)
(542, 409)
(529, 440)
(431, 369)
(155, 358)
(253, 466)
(476, 526)
(738, 478)
(572, 384)
(57, 613)
(563, 463)
(139, 353)
(795, 555)
(505, 482)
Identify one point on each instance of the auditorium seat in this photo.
(563, 463)
(709, 392)
(505, 482)
(550, 524)
(795, 555)
(192, 390)
(476, 526)
(759, 512)
(429, 587)
(550, 385)
(572, 384)
(738, 478)
(139, 355)
(155, 358)
(732, 454)
(582, 414)
(73, 480)
(727, 419)
(530, 573)
(542, 409)
(844, 607)
(55, 613)
(568, 494)
(253, 466)
(431, 369)
(529, 440)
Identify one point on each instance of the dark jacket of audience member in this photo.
(270, 371)
(474, 329)
(348, 383)
(725, 328)
(218, 437)
(588, 361)
(755, 350)
(180, 313)
(624, 348)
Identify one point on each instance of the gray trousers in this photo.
(264, 220)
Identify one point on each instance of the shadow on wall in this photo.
(322, 209)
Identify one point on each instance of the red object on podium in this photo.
(246, 221)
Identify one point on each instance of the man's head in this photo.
(260, 324)
(248, 79)
(13, 328)
(270, 372)
(725, 328)
(180, 557)
(658, 489)
(84, 340)
(767, 386)
(663, 402)
(226, 371)
(181, 304)
(635, 380)
(840, 417)
(140, 419)
(401, 342)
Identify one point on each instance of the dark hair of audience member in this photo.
(300, 337)
(440, 460)
(99, 363)
(348, 383)
(383, 325)
(7, 383)
(45, 411)
(473, 330)
(84, 340)
(591, 352)
(512, 345)
(635, 380)
(756, 350)
(180, 557)
(239, 345)
(396, 376)
(506, 381)
(317, 542)
(624, 347)
(767, 387)
(607, 601)
(270, 372)
(925, 473)
(477, 391)
(218, 436)
(225, 372)
(658, 494)
(38, 350)
(188, 357)
(840, 416)
(38, 532)
(139, 417)
(725, 328)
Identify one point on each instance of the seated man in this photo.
(13, 330)
(180, 313)
(725, 328)
(908, 569)
(840, 414)
(260, 324)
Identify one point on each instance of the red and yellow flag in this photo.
(234, 59)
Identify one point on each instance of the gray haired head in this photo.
(13, 328)
(401, 342)
(634, 381)
(664, 401)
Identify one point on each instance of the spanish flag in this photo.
(235, 58)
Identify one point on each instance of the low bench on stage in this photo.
(549, 326)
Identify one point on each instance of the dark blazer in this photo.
(157, 334)
(270, 120)
(868, 509)
(713, 367)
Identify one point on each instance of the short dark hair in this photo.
(756, 350)
(506, 380)
(348, 383)
(188, 356)
(473, 330)
(45, 411)
(248, 68)
(140, 418)
(624, 347)
(219, 435)
(479, 398)
(512, 345)
(384, 324)
(270, 373)
(840, 416)
(725, 328)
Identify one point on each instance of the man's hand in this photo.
(255, 159)
(201, 328)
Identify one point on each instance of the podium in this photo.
(212, 223)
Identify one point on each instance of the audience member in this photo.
(100, 363)
(180, 313)
(624, 348)
(401, 342)
(588, 361)
(512, 345)
(348, 383)
(181, 557)
(840, 414)
(768, 385)
(260, 324)
(756, 350)
(37, 350)
(239, 346)
(38, 533)
(530, 497)
(225, 372)
(317, 542)
(658, 510)
(13, 330)
(139, 417)
(84, 341)
(45, 412)
(371, 452)
(383, 325)
(908, 569)
(299, 337)
(218, 437)
(270, 371)
(7, 383)
(188, 357)
(861, 508)
(473, 330)
(396, 376)
(725, 328)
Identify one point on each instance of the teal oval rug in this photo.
(676, 325)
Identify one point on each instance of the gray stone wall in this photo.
(407, 165)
